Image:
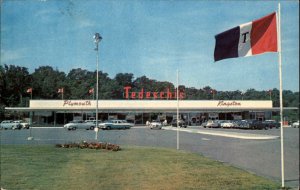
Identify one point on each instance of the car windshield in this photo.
(7, 121)
(75, 121)
(270, 121)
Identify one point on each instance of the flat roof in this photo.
(22, 109)
(150, 106)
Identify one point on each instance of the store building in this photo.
(138, 111)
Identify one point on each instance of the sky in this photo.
(154, 38)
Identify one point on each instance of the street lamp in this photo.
(97, 39)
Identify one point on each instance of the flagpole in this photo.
(30, 119)
(177, 110)
(280, 95)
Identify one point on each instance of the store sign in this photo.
(223, 103)
(77, 103)
(142, 94)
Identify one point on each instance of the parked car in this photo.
(78, 124)
(295, 124)
(228, 124)
(93, 121)
(211, 124)
(24, 125)
(203, 124)
(272, 124)
(253, 124)
(181, 123)
(155, 124)
(10, 124)
(240, 124)
(115, 124)
(6, 124)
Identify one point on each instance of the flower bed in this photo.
(91, 145)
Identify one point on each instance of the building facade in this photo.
(58, 112)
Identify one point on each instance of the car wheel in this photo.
(92, 128)
(74, 128)
(108, 127)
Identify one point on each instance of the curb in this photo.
(245, 136)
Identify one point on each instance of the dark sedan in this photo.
(272, 124)
(181, 123)
(253, 124)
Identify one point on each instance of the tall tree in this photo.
(79, 82)
(15, 83)
(124, 79)
(46, 81)
(2, 84)
(2, 91)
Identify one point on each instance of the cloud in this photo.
(44, 12)
(12, 55)
(84, 23)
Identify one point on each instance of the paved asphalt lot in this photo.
(261, 157)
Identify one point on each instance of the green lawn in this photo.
(46, 167)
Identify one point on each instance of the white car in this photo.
(295, 124)
(23, 124)
(211, 124)
(10, 124)
(7, 124)
(228, 124)
(78, 124)
(115, 124)
(155, 125)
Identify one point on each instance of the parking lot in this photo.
(261, 157)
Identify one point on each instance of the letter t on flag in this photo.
(252, 38)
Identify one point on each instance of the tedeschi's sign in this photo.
(152, 95)
(223, 103)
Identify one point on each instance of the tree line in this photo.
(44, 82)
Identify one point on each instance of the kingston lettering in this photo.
(228, 103)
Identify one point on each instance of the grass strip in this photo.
(46, 167)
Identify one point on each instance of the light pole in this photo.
(242, 93)
(97, 39)
(177, 96)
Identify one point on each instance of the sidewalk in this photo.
(225, 133)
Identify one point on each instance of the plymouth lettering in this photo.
(77, 103)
